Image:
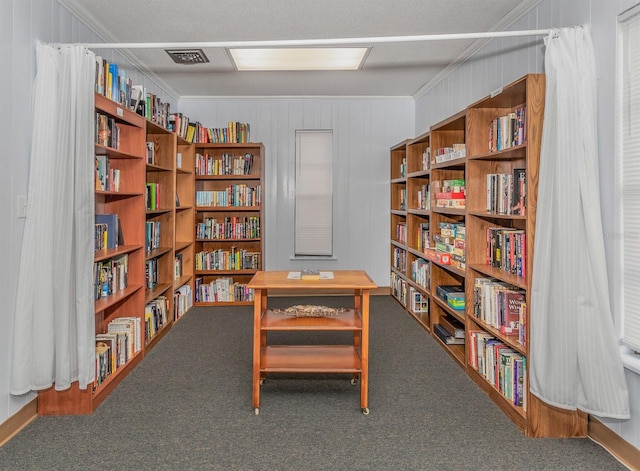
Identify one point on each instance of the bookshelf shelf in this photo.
(501, 136)
(229, 220)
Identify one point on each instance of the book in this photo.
(453, 326)
(510, 322)
(519, 197)
(445, 337)
(114, 236)
(443, 291)
(310, 274)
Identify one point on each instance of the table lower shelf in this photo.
(310, 359)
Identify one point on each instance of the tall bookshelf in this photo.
(448, 164)
(418, 228)
(122, 149)
(183, 283)
(229, 244)
(399, 287)
(161, 150)
(485, 255)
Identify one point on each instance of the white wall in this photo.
(506, 59)
(363, 130)
(22, 24)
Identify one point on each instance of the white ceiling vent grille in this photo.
(187, 56)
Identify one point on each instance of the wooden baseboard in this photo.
(622, 450)
(18, 421)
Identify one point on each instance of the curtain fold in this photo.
(55, 325)
(574, 357)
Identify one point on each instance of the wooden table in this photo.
(352, 358)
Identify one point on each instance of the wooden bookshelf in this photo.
(127, 201)
(229, 244)
(183, 283)
(161, 150)
(488, 169)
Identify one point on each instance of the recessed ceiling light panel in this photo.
(299, 58)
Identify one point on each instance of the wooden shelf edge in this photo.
(310, 359)
(117, 297)
(220, 304)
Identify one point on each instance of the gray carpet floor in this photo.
(187, 406)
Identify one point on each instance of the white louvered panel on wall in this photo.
(629, 119)
(314, 193)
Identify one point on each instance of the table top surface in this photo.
(342, 279)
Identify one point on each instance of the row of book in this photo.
(452, 152)
(453, 295)
(426, 158)
(449, 194)
(235, 132)
(507, 250)
(401, 232)
(450, 330)
(403, 168)
(500, 365)
(421, 272)
(222, 289)
(150, 157)
(507, 192)
(402, 198)
(508, 130)
(232, 195)
(110, 276)
(113, 82)
(106, 178)
(451, 240)
(182, 301)
(234, 259)
(155, 316)
(501, 306)
(152, 196)
(230, 227)
(399, 260)
(107, 131)
(226, 164)
(152, 235)
(424, 198)
(108, 232)
(151, 273)
(399, 288)
(418, 302)
(116, 346)
(177, 265)
(423, 241)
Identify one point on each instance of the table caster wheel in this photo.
(365, 410)
(354, 381)
(256, 410)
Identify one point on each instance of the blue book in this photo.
(114, 232)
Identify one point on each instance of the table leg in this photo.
(259, 302)
(364, 353)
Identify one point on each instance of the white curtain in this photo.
(574, 358)
(54, 326)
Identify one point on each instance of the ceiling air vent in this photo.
(187, 56)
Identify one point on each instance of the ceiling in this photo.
(391, 69)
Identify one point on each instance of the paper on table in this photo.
(324, 275)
